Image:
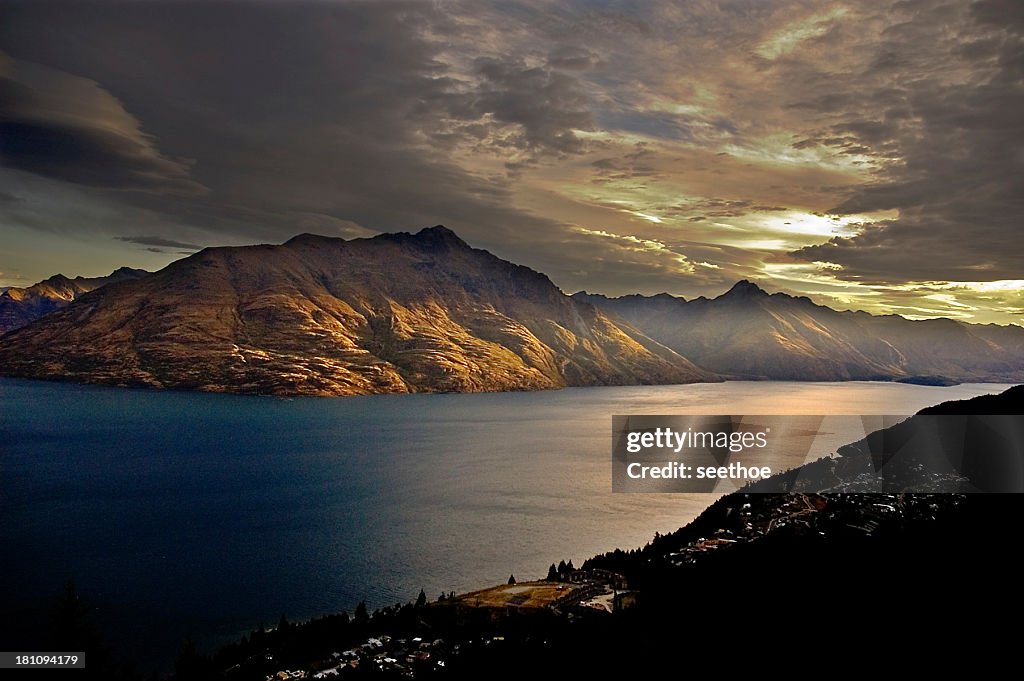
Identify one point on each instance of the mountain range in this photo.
(748, 334)
(325, 316)
(19, 306)
(425, 312)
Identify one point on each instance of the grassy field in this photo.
(522, 595)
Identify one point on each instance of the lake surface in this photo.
(201, 514)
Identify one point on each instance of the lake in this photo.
(188, 513)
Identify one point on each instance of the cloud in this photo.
(656, 146)
(522, 112)
(942, 119)
(331, 129)
(56, 124)
(158, 242)
(572, 58)
(546, 104)
(636, 163)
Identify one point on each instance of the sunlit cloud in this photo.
(863, 154)
(682, 264)
(1015, 285)
(650, 218)
(780, 149)
(810, 224)
(789, 37)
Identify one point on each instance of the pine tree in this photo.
(552, 574)
(361, 616)
(188, 659)
(511, 579)
(421, 600)
(71, 619)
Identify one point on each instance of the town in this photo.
(566, 592)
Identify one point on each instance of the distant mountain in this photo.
(19, 306)
(748, 334)
(326, 316)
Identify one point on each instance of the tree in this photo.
(190, 664)
(552, 574)
(70, 618)
(72, 629)
(511, 579)
(361, 616)
(421, 600)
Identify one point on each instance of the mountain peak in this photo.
(308, 238)
(127, 271)
(744, 288)
(439, 235)
(392, 313)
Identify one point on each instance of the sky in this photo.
(869, 155)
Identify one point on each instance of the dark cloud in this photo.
(572, 58)
(999, 13)
(718, 208)
(637, 163)
(948, 131)
(328, 109)
(654, 124)
(515, 106)
(652, 132)
(59, 125)
(599, 24)
(158, 242)
(8, 198)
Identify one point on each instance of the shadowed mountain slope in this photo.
(748, 334)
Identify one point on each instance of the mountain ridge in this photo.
(425, 311)
(747, 333)
(22, 305)
(327, 316)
